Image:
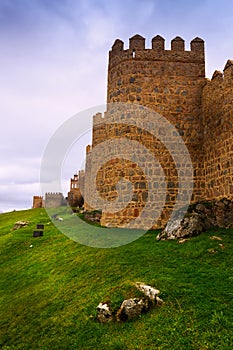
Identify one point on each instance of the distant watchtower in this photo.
(37, 202)
(75, 198)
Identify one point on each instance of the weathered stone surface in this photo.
(169, 82)
(188, 227)
(172, 83)
(131, 308)
(54, 200)
(200, 217)
(93, 216)
(75, 198)
(148, 291)
(37, 202)
(104, 313)
(20, 224)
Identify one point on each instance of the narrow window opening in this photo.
(133, 53)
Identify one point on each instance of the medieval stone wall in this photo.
(173, 84)
(54, 200)
(169, 82)
(108, 127)
(217, 104)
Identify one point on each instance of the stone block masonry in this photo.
(54, 200)
(38, 202)
(172, 83)
(217, 107)
(74, 197)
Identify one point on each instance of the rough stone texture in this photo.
(19, 224)
(172, 83)
(104, 313)
(169, 82)
(93, 216)
(199, 218)
(37, 202)
(217, 106)
(132, 308)
(54, 200)
(75, 198)
(149, 291)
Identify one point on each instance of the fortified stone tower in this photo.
(37, 202)
(173, 84)
(75, 198)
(169, 82)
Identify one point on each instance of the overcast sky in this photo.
(53, 64)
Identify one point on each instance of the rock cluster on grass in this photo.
(199, 218)
(19, 224)
(130, 308)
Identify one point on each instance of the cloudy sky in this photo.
(53, 64)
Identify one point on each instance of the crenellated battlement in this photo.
(226, 75)
(137, 72)
(172, 83)
(228, 70)
(138, 51)
(137, 42)
(54, 200)
(88, 149)
(97, 118)
(53, 194)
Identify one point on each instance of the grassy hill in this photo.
(49, 292)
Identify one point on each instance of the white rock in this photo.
(102, 306)
(20, 224)
(104, 313)
(149, 291)
(131, 308)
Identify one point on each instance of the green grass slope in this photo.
(49, 292)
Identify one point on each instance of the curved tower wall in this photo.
(217, 106)
(169, 82)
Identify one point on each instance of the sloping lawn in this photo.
(50, 287)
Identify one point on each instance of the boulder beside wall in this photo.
(199, 218)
